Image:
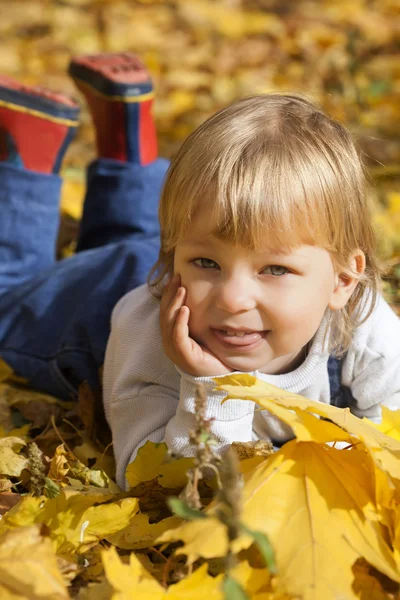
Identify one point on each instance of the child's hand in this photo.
(184, 352)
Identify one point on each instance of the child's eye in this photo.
(276, 270)
(205, 263)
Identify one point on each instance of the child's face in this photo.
(277, 301)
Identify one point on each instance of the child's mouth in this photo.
(244, 339)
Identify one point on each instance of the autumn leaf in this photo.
(142, 534)
(133, 581)
(204, 537)
(12, 461)
(316, 506)
(7, 373)
(8, 500)
(369, 587)
(197, 586)
(19, 432)
(130, 581)
(298, 412)
(59, 466)
(65, 468)
(152, 462)
(246, 450)
(147, 463)
(390, 424)
(28, 567)
(75, 520)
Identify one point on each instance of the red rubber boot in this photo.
(36, 125)
(119, 93)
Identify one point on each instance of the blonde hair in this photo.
(275, 171)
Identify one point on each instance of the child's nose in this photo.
(235, 296)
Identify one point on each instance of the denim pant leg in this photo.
(29, 221)
(54, 322)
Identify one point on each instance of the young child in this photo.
(267, 266)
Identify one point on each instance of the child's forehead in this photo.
(209, 241)
(210, 229)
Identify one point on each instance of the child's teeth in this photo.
(233, 334)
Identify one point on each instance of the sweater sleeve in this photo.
(147, 398)
(372, 365)
(140, 385)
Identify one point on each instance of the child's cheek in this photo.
(199, 301)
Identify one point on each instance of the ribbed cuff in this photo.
(229, 411)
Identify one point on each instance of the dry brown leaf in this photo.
(8, 500)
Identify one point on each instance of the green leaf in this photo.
(183, 510)
(51, 488)
(232, 590)
(264, 547)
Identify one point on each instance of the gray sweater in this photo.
(147, 398)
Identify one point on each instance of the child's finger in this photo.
(171, 313)
(180, 335)
(168, 294)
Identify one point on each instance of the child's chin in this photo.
(242, 364)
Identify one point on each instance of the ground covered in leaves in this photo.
(317, 519)
(311, 521)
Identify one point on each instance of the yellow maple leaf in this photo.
(197, 586)
(152, 462)
(204, 537)
(28, 567)
(321, 517)
(130, 581)
(134, 581)
(142, 534)
(76, 520)
(147, 463)
(384, 450)
(315, 503)
(291, 408)
(390, 424)
(258, 583)
(22, 514)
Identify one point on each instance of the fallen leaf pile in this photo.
(312, 520)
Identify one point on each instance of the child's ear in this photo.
(345, 284)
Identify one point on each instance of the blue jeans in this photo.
(55, 316)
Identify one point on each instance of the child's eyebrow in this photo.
(270, 255)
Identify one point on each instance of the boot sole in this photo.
(101, 76)
(37, 102)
